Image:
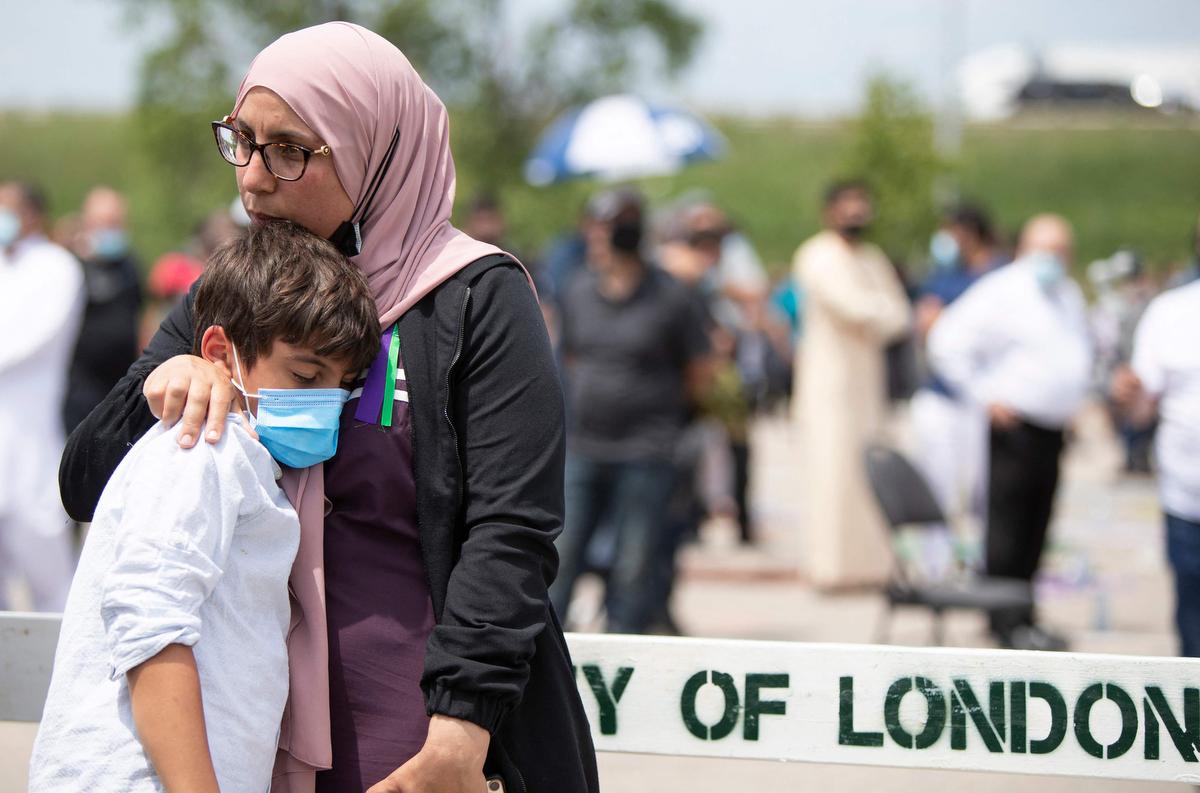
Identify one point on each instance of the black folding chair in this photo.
(906, 501)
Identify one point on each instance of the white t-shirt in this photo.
(188, 546)
(1166, 359)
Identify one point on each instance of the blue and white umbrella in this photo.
(621, 137)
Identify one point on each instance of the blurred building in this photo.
(997, 82)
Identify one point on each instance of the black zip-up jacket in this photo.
(488, 450)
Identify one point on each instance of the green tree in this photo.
(501, 86)
(893, 149)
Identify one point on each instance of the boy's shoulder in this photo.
(237, 454)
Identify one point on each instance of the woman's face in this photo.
(317, 200)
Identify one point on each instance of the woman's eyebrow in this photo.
(288, 136)
(281, 135)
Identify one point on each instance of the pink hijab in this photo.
(357, 91)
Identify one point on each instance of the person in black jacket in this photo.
(108, 335)
(441, 507)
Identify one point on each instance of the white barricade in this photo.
(27, 643)
(982, 710)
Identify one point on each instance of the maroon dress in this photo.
(377, 595)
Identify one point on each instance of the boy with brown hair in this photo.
(171, 670)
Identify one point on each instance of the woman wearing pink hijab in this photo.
(424, 653)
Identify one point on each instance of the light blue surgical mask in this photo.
(10, 227)
(110, 244)
(1048, 269)
(299, 426)
(943, 251)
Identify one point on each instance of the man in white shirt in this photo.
(41, 300)
(1164, 380)
(1016, 344)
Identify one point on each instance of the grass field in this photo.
(1120, 183)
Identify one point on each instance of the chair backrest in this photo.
(901, 490)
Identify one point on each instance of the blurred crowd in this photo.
(672, 338)
(79, 308)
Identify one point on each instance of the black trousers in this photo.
(1022, 480)
(740, 450)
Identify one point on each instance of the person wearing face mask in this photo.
(41, 292)
(1016, 345)
(108, 336)
(949, 433)
(634, 351)
(425, 654)
(855, 306)
(181, 596)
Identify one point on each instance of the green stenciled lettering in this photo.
(847, 735)
(964, 702)
(607, 700)
(1187, 737)
(1058, 717)
(756, 706)
(1129, 720)
(687, 706)
(935, 720)
(1016, 707)
(1083, 715)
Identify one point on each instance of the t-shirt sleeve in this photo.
(181, 507)
(1146, 360)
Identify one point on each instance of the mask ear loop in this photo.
(347, 238)
(240, 385)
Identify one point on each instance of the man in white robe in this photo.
(855, 306)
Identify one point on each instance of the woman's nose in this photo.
(255, 176)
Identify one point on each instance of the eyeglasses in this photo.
(286, 161)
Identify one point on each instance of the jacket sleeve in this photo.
(97, 446)
(509, 419)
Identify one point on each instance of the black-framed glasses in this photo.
(286, 161)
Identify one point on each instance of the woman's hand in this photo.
(190, 390)
(451, 761)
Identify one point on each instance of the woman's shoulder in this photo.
(500, 287)
(489, 298)
(491, 269)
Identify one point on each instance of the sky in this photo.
(758, 57)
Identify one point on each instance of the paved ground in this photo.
(1107, 589)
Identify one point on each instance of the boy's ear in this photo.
(216, 349)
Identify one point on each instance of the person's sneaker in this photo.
(1031, 637)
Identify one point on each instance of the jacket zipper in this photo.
(462, 330)
(509, 766)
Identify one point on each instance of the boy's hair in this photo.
(278, 281)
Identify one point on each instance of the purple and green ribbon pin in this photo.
(379, 391)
